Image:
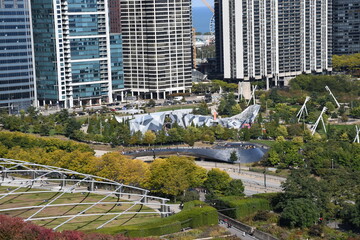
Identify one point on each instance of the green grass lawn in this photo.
(171, 108)
(269, 143)
(80, 223)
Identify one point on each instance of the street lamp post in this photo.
(265, 177)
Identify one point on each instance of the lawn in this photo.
(171, 108)
(80, 223)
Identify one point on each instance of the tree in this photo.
(217, 181)
(71, 126)
(299, 213)
(351, 215)
(122, 169)
(233, 157)
(301, 185)
(149, 137)
(151, 103)
(281, 131)
(355, 112)
(45, 129)
(202, 109)
(235, 188)
(273, 158)
(226, 105)
(330, 106)
(174, 175)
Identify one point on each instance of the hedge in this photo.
(238, 207)
(192, 204)
(192, 217)
(273, 198)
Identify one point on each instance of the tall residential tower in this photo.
(77, 59)
(346, 26)
(17, 81)
(157, 42)
(273, 40)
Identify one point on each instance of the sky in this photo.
(199, 3)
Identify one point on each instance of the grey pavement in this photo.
(253, 182)
(240, 234)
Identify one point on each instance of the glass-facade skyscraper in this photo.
(78, 61)
(17, 85)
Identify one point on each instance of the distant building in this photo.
(78, 59)
(273, 40)
(157, 40)
(346, 27)
(17, 77)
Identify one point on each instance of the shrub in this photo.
(261, 215)
(12, 228)
(190, 196)
(192, 204)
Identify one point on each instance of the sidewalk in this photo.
(234, 231)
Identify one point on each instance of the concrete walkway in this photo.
(238, 233)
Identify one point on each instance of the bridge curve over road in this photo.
(246, 152)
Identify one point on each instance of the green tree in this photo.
(233, 156)
(226, 105)
(45, 129)
(149, 137)
(217, 181)
(351, 215)
(202, 109)
(299, 213)
(71, 126)
(330, 106)
(151, 103)
(174, 175)
(235, 188)
(355, 112)
(273, 158)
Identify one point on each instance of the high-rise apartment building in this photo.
(78, 61)
(273, 40)
(157, 42)
(346, 26)
(17, 85)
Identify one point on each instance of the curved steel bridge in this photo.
(19, 180)
(246, 152)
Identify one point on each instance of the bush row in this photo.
(199, 215)
(13, 228)
(12, 139)
(237, 207)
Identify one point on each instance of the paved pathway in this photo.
(253, 182)
(240, 234)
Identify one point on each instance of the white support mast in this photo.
(252, 96)
(313, 129)
(328, 89)
(357, 138)
(303, 110)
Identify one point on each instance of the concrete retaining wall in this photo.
(263, 236)
(246, 228)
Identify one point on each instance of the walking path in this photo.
(237, 232)
(253, 182)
